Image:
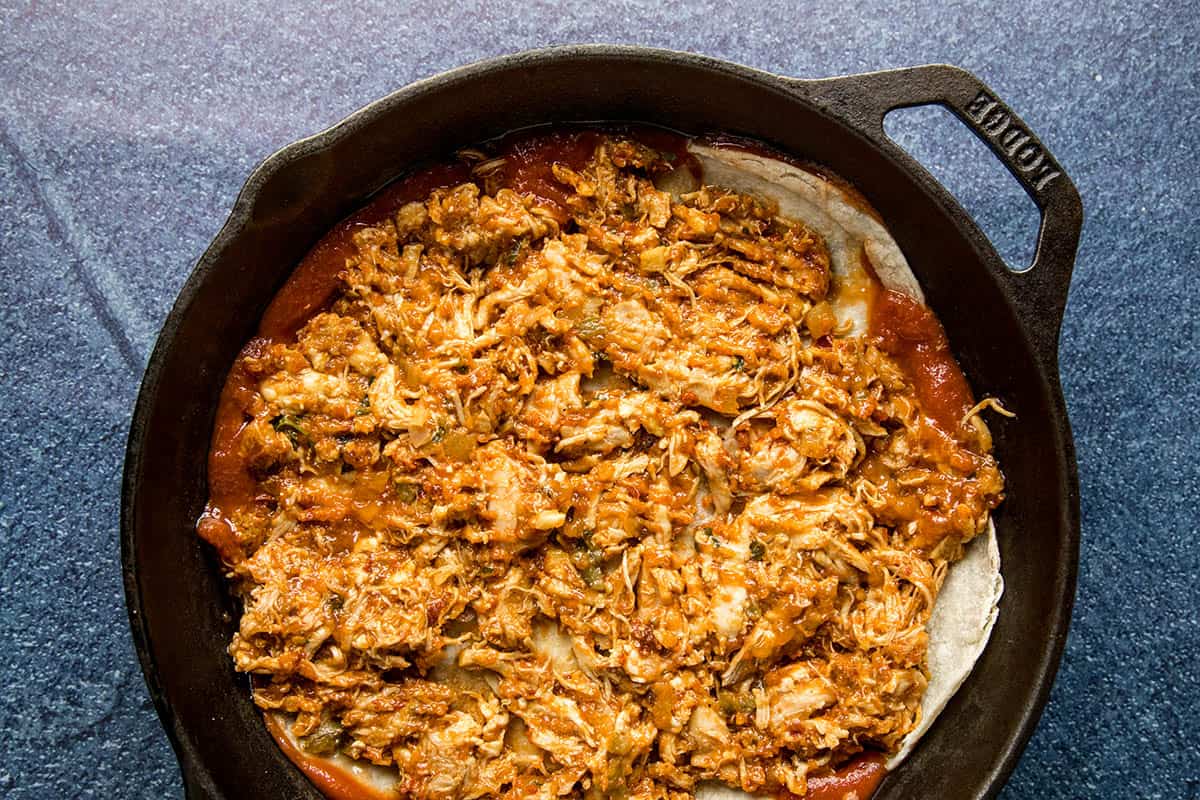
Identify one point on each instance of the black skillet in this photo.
(1002, 325)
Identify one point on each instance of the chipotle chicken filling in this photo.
(592, 498)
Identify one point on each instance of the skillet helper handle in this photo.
(865, 99)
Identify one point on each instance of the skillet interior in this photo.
(180, 610)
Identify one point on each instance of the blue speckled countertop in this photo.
(126, 130)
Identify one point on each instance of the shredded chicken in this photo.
(587, 509)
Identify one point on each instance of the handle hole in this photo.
(969, 171)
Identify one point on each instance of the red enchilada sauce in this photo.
(856, 780)
(528, 162)
(910, 333)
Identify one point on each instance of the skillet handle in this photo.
(865, 99)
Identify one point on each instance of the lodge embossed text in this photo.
(1018, 143)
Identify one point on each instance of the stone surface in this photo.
(127, 128)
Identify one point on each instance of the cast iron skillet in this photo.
(1002, 325)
